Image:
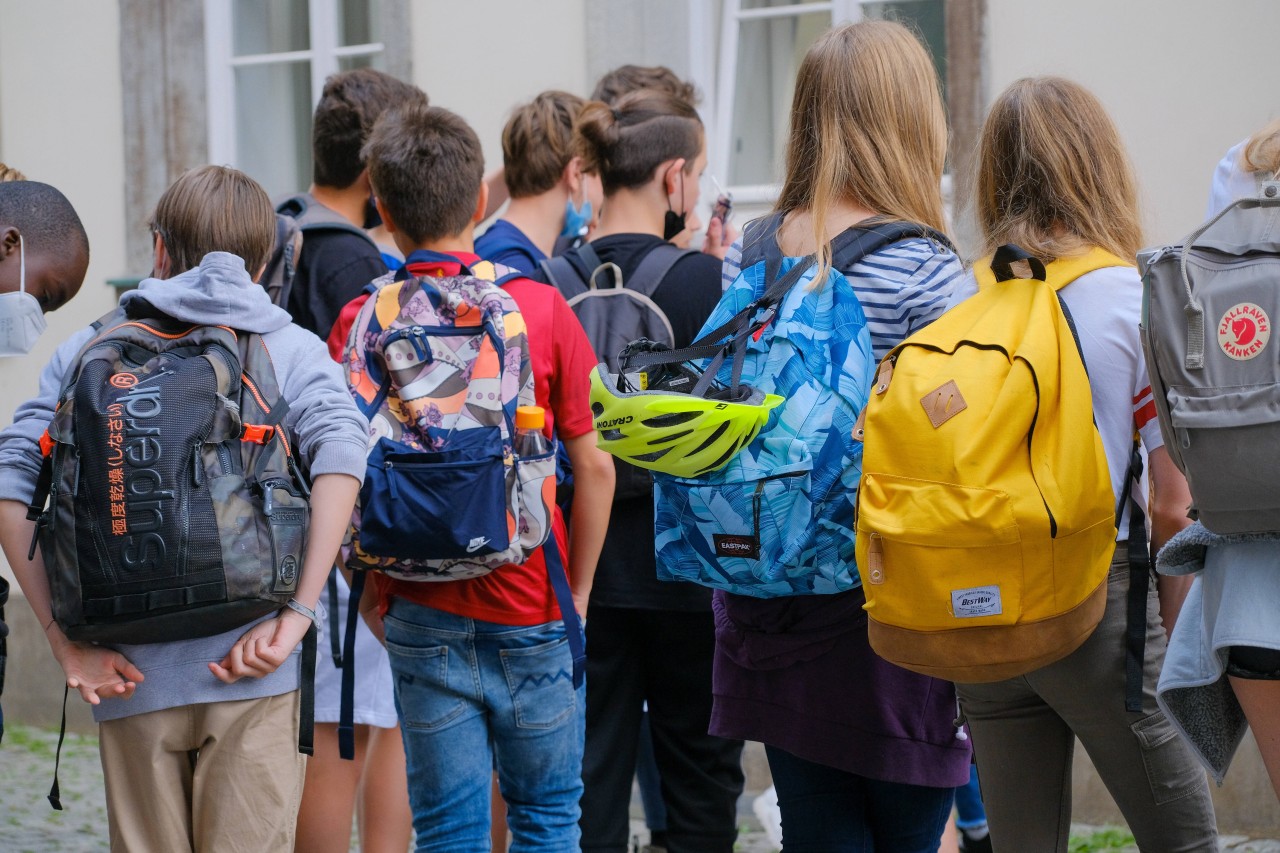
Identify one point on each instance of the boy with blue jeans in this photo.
(482, 666)
(199, 737)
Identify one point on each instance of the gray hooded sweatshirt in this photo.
(328, 433)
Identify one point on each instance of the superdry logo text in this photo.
(146, 501)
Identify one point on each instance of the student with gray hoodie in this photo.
(198, 737)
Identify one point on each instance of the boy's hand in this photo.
(263, 648)
(97, 673)
(720, 236)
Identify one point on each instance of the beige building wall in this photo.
(1184, 80)
(481, 59)
(60, 98)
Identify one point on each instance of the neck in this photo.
(796, 237)
(539, 217)
(640, 210)
(349, 202)
(464, 242)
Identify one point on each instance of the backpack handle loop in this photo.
(1269, 196)
(614, 272)
(1009, 255)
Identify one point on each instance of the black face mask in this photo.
(371, 217)
(673, 223)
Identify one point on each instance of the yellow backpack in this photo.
(986, 520)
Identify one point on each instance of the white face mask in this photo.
(21, 319)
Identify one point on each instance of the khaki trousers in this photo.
(222, 776)
(1024, 733)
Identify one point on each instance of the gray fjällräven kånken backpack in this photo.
(614, 315)
(1208, 307)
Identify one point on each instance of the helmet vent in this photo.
(669, 420)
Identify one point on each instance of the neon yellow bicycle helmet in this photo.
(670, 431)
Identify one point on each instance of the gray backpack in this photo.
(614, 315)
(295, 216)
(1215, 374)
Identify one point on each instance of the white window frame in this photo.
(718, 79)
(324, 55)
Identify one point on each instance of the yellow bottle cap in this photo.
(530, 417)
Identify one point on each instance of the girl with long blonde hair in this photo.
(864, 754)
(1053, 178)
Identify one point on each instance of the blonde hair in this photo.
(1053, 176)
(867, 126)
(8, 173)
(215, 209)
(1262, 152)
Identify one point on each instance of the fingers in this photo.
(127, 670)
(86, 693)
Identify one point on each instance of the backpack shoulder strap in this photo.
(311, 215)
(1058, 273)
(854, 244)
(564, 276)
(654, 268)
(759, 240)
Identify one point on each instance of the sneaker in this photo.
(969, 844)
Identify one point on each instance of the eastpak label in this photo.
(976, 601)
(728, 545)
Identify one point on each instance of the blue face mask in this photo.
(576, 219)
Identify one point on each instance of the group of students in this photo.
(465, 700)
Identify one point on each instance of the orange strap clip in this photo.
(46, 444)
(257, 433)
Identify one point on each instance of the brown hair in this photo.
(626, 79)
(1053, 176)
(350, 105)
(537, 143)
(623, 144)
(8, 173)
(867, 127)
(426, 167)
(215, 209)
(1262, 152)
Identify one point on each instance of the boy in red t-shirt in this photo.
(482, 666)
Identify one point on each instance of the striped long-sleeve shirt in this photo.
(902, 287)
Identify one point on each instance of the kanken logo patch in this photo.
(736, 546)
(1244, 331)
(976, 601)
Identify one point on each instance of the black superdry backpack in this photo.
(169, 506)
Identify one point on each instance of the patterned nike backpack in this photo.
(778, 519)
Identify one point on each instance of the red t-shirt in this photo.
(562, 361)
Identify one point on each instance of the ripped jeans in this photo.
(473, 696)
(1024, 733)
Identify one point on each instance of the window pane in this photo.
(769, 52)
(760, 4)
(273, 125)
(270, 26)
(359, 22)
(927, 19)
(366, 60)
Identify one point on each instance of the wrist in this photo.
(298, 608)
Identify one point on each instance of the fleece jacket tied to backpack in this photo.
(330, 438)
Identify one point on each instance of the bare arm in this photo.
(1169, 503)
(267, 645)
(96, 673)
(592, 502)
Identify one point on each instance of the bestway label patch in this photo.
(976, 601)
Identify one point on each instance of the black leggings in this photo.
(1254, 663)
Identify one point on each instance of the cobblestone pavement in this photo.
(29, 825)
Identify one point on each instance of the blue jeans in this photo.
(473, 695)
(969, 811)
(825, 810)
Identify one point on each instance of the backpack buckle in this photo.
(257, 433)
(46, 444)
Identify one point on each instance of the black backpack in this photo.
(295, 216)
(614, 314)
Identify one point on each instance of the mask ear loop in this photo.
(22, 265)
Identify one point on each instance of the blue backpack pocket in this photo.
(436, 505)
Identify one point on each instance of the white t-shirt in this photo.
(1106, 306)
(1230, 182)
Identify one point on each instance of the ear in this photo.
(387, 221)
(572, 176)
(482, 204)
(9, 240)
(160, 257)
(670, 175)
(362, 180)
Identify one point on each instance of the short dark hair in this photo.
(426, 167)
(537, 143)
(350, 105)
(624, 143)
(43, 215)
(215, 209)
(626, 79)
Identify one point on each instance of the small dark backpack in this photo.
(295, 216)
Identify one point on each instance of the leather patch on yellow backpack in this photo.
(943, 403)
